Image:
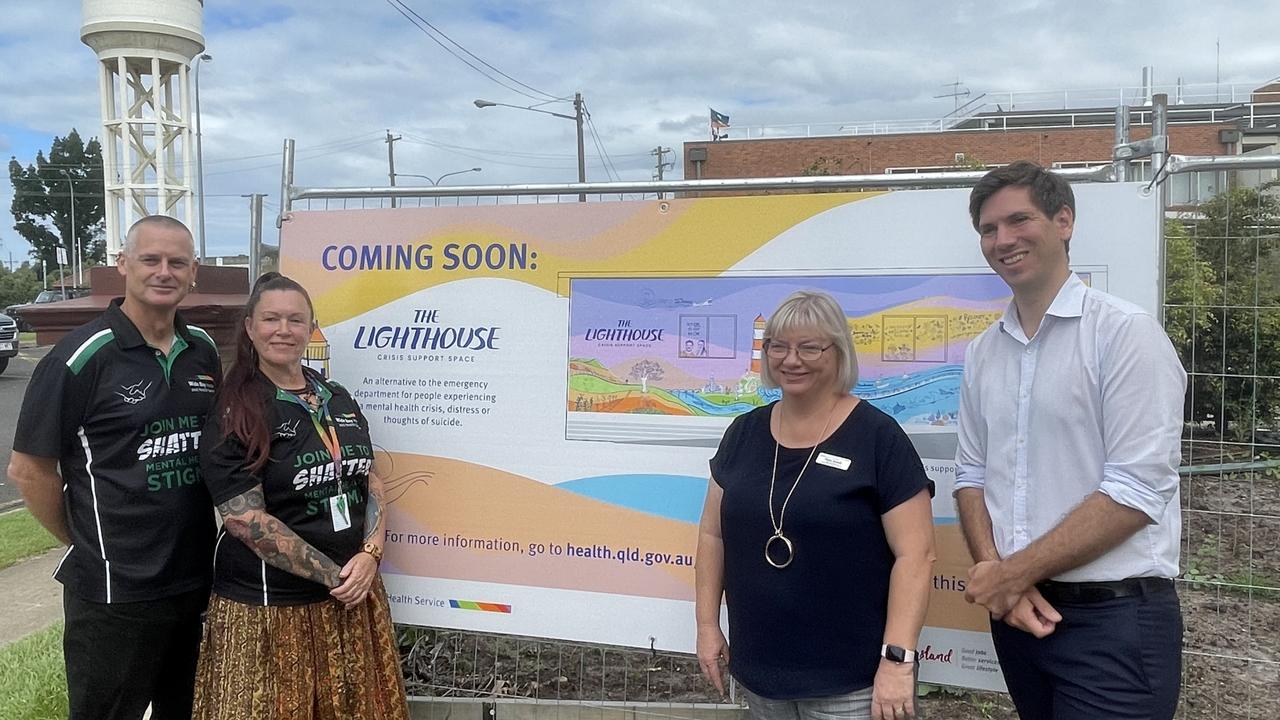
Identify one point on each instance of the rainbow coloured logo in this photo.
(481, 606)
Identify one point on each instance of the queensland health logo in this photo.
(480, 606)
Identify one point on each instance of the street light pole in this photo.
(455, 172)
(206, 57)
(77, 269)
(435, 182)
(576, 117)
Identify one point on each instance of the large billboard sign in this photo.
(547, 382)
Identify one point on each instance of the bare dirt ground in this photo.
(456, 664)
(1231, 593)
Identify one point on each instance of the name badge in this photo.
(834, 461)
(340, 511)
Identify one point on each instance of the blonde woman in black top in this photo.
(818, 533)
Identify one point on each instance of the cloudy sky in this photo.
(335, 74)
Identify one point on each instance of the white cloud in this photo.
(328, 71)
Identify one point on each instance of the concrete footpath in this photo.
(30, 599)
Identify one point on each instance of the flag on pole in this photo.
(719, 121)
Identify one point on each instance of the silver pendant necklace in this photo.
(778, 536)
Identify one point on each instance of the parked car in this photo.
(8, 340)
(45, 296)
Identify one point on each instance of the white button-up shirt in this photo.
(1093, 402)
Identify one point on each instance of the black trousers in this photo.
(1113, 660)
(124, 656)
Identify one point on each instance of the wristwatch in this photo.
(373, 550)
(893, 653)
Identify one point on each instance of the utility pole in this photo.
(391, 160)
(582, 157)
(255, 235)
(660, 153)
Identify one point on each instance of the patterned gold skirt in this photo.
(301, 662)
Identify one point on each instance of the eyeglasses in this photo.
(805, 351)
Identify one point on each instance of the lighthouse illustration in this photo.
(757, 343)
(316, 355)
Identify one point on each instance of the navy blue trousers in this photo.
(1117, 659)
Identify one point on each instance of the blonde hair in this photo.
(814, 310)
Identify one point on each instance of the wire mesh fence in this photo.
(445, 663)
(1222, 311)
(577, 681)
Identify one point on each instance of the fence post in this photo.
(1121, 138)
(1160, 132)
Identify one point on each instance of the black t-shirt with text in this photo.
(125, 422)
(814, 628)
(300, 486)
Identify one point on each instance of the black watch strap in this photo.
(893, 653)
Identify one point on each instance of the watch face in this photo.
(895, 653)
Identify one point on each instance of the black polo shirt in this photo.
(125, 423)
(301, 487)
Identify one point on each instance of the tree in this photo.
(18, 286)
(1222, 286)
(644, 371)
(42, 206)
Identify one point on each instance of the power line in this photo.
(478, 59)
(604, 154)
(310, 151)
(489, 159)
(610, 172)
(411, 137)
(491, 156)
(409, 14)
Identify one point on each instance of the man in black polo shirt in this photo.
(106, 455)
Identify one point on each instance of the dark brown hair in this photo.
(1049, 191)
(239, 401)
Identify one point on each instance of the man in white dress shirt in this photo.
(1067, 471)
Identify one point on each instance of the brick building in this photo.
(988, 135)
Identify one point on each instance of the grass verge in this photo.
(26, 339)
(22, 537)
(34, 685)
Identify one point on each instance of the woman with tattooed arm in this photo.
(298, 626)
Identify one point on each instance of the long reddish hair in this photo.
(240, 402)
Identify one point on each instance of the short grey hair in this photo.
(817, 311)
(163, 221)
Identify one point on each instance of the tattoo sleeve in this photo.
(245, 517)
(374, 531)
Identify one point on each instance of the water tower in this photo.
(145, 49)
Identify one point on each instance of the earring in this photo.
(193, 284)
